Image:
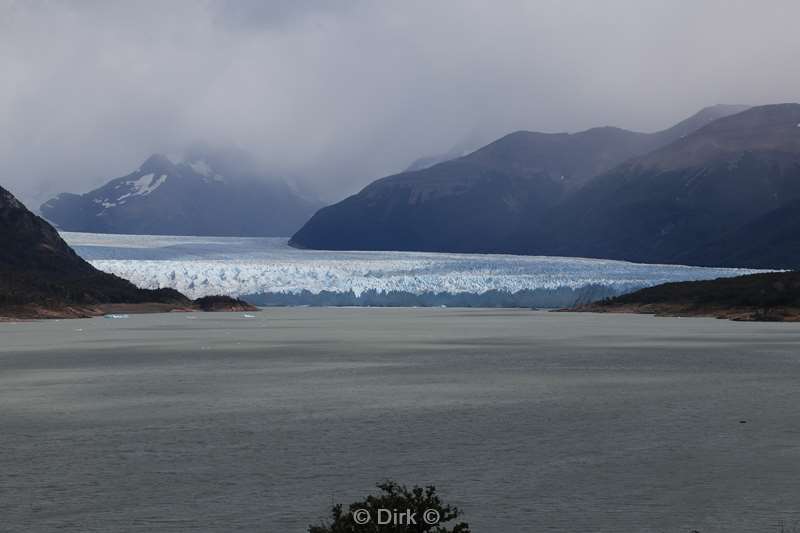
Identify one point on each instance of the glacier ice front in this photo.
(266, 271)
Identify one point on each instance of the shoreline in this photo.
(769, 297)
(735, 314)
(62, 312)
(34, 312)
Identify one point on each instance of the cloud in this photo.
(339, 93)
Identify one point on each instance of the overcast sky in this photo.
(340, 93)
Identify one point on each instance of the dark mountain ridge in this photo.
(725, 194)
(42, 277)
(483, 201)
(703, 199)
(37, 268)
(214, 192)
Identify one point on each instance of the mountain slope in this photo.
(682, 202)
(478, 202)
(42, 277)
(206, 195)
(37, 268)
(771, 240)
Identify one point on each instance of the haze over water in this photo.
(528, 421)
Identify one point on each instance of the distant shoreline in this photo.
(771, 297)
(42, 312)
(751, 314)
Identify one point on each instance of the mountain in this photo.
(210, 193)
(725, 195)
(480, 202)
(769, 241)
(702, 118)
(465, 146)
(42, 277)
(41, 274)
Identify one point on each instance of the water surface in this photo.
(529, 421)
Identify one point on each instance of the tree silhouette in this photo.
(396, 509)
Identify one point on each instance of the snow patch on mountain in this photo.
(202, 168)
(141, 186)
(269, 272)
(145, 185)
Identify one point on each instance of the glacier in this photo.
(268, 272)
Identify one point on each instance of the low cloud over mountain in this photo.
(335, 94)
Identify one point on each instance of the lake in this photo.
(527, 420)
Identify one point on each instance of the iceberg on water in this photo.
(266, 271)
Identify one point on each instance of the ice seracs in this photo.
(267, 271)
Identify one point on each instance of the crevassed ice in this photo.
(269, 272)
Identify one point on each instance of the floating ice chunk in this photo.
(115, 316)
(248, 316)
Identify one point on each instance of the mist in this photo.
(334, 95)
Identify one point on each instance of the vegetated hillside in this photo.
(41, 276)
(767, 297)
(38, 269)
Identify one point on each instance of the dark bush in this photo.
(396, 501)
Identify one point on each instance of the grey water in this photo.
(528, 421)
